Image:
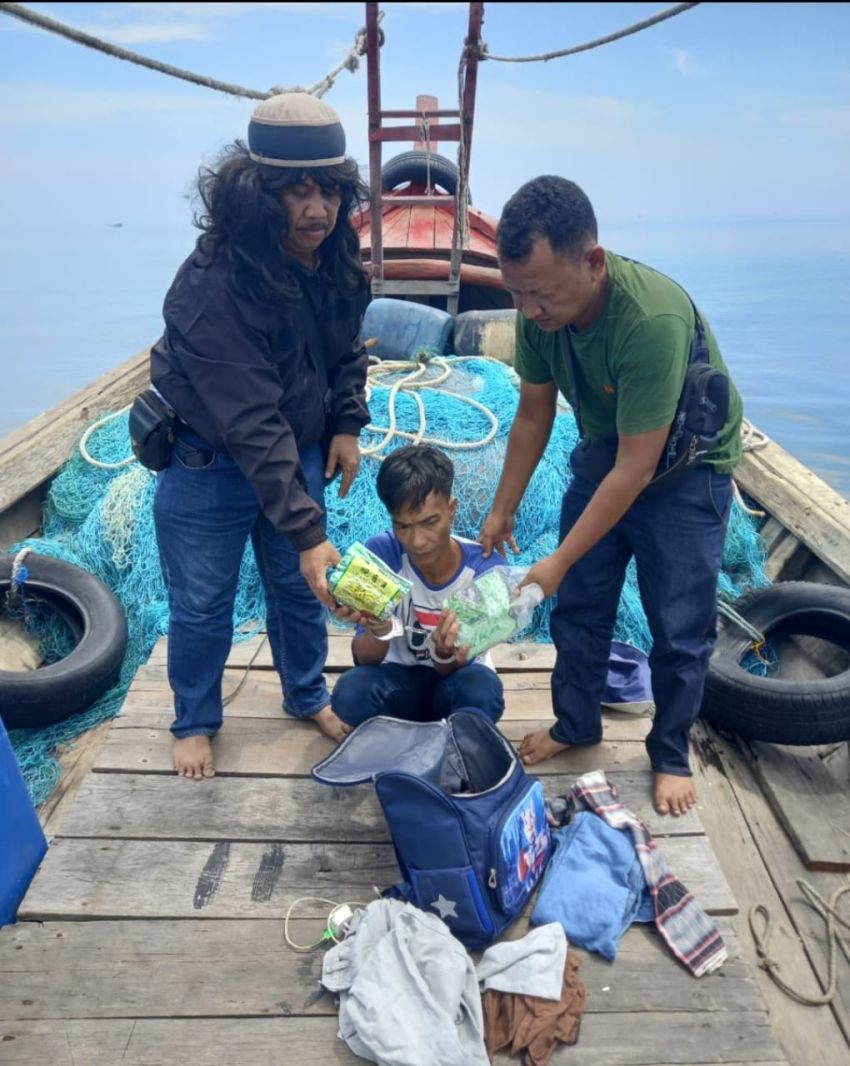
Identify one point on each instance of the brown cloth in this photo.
(534, 1025)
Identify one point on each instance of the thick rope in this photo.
(829, 912)
(410, 383)
(350, 62)
(546, 56)
(18, 578)
(752, 439)
(758, 638)
(84, 441)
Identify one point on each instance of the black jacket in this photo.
(241, 375)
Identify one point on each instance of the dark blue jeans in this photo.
(204, 516)
(676, 534)
(417, 693)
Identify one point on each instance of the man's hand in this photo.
(343, 455)
(375, 626)
(498, 530)
(314, 563)
(548, 574)
(444, 640)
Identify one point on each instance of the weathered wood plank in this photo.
(107, 878)
(813, 808)
(150, 806)
(798, 1027)
(734, 1039)
(75, 763)
(36, 450)
(527, 697)
(813, 511)
(786, 867)
(22, 519)
(223, 969)
(505, 656)
(274, 747)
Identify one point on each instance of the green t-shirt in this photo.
(631, 362)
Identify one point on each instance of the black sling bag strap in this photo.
(701, 411)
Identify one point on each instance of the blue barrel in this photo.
(404, 329)
(22, 843)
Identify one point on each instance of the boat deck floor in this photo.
(152, 934)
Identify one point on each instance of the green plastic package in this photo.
(491, 611)
(363, 581)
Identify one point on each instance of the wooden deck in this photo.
(153, 935)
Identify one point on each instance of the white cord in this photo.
(328, 933)
(84, 440)
(752, 439)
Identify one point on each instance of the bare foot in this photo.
(672, 794)
(193, 757)
(331, 724)
(538, 746)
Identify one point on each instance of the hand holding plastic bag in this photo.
(491, 611)
(363, 581)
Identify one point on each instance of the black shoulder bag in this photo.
(152, 430)
(701, 414)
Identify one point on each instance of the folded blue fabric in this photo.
(628, 679)
(594, 885)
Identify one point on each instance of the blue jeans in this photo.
(416, 693)
(204, 516)
(676, 534)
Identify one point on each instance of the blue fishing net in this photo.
(102, 520)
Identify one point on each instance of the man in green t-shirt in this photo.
(614, 336)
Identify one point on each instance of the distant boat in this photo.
(115, 225)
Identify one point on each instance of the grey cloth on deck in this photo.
(408, 990)
(532, 966)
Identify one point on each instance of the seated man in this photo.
(411, 665)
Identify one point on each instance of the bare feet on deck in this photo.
(193, 757)
(672, 794)
(539, 746)
(331, 724)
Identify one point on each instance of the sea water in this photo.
(76, 301)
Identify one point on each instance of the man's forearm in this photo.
(368, 650)
(526, 444)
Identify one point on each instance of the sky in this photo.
(725, 112)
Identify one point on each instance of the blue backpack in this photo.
(467, 822)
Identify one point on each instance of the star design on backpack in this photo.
(446, 907)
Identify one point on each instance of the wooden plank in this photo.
(813, 511)
(798, 1027)
(22, 519)
(223, 969)
(150, 806)
(809, 803)
(735, 1039)
(108, 878)
(785, 868)
(505, 656)
(75, 764)
(34, 452)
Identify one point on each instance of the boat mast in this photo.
(425, 131)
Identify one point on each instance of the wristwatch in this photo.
(396, 629)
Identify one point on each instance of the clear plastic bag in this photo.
(490, 610)
(363, 581)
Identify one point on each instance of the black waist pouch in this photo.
(152, 424)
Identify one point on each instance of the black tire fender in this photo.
(414, 167)
(776, 709)
(36, 698)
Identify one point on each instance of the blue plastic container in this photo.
(404, 329)
(22, 843)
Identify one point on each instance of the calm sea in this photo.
(75, 302)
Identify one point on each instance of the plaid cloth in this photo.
(686, 928)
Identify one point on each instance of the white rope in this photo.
(412, 383)
(753, 512)
(752, 439)
(16, 582)
(84, 440)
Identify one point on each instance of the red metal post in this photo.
(373, 78)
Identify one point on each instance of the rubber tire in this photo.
(773, 709)
(35, 698)
(413, 167)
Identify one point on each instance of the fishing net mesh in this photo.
(102, 520)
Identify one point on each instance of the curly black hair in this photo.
(550, 207)
(242, 217)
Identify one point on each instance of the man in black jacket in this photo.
(261, 361)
